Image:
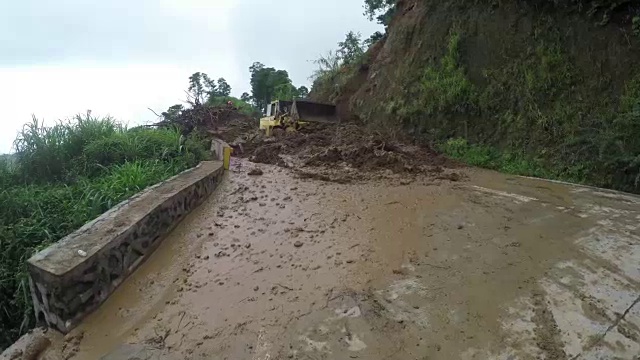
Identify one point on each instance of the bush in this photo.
(133, 145)
(64, 176)
(446, 87)
(47, 153)
(336, 67)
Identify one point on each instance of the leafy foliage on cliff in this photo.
(334, 69)
(380, 10)
(532, 109)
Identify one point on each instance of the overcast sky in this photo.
(118, 57)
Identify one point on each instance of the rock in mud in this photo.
(298, 243)
(255, 172)
(453, 176)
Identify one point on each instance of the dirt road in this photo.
(274, 267)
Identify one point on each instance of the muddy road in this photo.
(277, 267)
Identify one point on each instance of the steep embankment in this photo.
(546, 88)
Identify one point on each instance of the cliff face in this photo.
(549, 80)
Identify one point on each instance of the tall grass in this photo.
(47, 153)
(64, 176)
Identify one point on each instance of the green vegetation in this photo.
(537, 107)
(446, 86)
(64, 176)
(242, 106)
(336, 67)
(203, 93)
(381, 10)
(441, 88)
(517, 163)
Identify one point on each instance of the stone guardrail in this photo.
(72, 277)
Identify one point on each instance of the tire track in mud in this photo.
(548, 337)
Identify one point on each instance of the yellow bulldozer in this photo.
(289, 115)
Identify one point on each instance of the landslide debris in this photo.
(347, 152)
(342, 152)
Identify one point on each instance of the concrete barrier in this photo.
(72, 277)
(221, 151)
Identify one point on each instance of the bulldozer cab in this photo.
(278, 108)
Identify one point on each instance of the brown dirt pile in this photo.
(348, 147)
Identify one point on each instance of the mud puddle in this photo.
(277, 267)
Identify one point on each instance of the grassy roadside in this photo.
(64, 176)
(516, 163)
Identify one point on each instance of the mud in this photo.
(278, 267)
(348, 152)
(547, 332)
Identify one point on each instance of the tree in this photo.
(224, 89)
(350, 50)
(245, 97)
(259, 88)
(265, 81)
(285, 92)
(303, 92)
(196, 88)
(172, 112)
(200, 84)
(209, 85)
(374, 38)
(381, 10)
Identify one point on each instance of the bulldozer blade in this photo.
(310, 111)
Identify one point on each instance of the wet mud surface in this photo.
(275, 266)
(348, 152)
